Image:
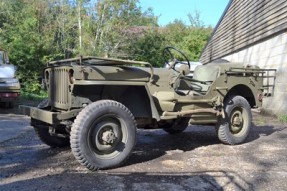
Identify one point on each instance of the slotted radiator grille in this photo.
(59, 87)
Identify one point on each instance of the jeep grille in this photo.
(59, 87)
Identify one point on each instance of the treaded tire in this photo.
(236, 126)
(92, 128)
(178, 126)
(42, 131)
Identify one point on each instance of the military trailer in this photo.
(9, 84)
(95, 105)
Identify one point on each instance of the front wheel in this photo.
(103, 135)
(236, 126)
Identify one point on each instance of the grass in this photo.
(282, 118)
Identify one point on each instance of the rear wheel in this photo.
(42, 131)
(103, 135)
(176, 127)
(236, 126)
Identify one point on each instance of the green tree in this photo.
(31, 37)
(194, 42)
(38, 31)
(147, 45)
(113, 19)
(191, 39)
(195, 20)
(22, 38)
(175, 32)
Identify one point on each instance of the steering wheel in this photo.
(171, 60)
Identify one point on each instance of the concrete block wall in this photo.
(271, 53)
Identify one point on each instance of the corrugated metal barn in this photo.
(254, 32)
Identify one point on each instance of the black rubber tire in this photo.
(42, 131)
(235, 107)
(87, 135)
(178, 126)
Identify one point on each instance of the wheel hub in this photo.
(108, 137)
(236, 122)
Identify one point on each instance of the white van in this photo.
(9, 84)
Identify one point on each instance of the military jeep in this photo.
(95, 105)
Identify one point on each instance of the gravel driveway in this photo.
(193, 160)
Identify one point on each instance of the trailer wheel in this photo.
(103, 135)
(236, 126)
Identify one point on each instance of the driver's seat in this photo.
(203, 77)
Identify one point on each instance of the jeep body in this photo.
(96, 104)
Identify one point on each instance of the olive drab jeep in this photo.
(96, 104)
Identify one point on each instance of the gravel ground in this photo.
(193, 160)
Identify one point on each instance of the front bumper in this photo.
(48, 116)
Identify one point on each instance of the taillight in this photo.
(9, 95)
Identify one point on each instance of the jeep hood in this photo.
(119, 73)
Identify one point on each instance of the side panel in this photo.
(135, 96)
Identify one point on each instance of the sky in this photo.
(169, 10)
